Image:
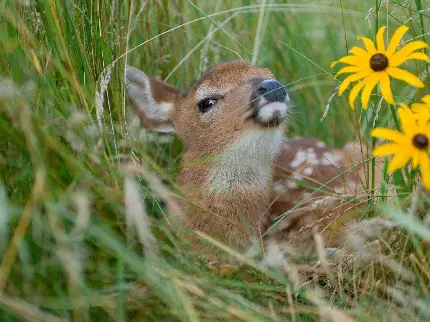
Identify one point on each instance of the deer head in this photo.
(230, 100)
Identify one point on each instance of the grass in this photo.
(72, 220)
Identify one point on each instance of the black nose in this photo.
(272, 90)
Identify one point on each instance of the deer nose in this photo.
(272, 91)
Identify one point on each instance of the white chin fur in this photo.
(268, 112)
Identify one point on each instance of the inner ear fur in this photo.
(152, 99)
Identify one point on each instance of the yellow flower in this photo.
(413, 143)
(422, 110)
(376, 64)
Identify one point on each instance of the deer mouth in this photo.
(269, 114)
(269, 103)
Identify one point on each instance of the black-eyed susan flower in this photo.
(376, 64)
(422, 110)
(413, 143)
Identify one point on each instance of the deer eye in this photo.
(206, 104)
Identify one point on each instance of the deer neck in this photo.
(232, 189)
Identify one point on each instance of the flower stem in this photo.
(399, 181)
(395, 118)
(375, 103)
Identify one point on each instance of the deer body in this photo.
(233, 190)
(231, 125)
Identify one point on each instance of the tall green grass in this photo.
(73, 221)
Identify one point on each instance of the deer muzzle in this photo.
(269, 103)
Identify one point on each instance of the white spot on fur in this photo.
(340, 189)
(330, 158)
(247, 161)
(312, 159)
(303, 156)
(321, 145)
(291, 184)
(279, 187)
(299, 158)
(308, 171)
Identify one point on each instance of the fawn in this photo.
(238, 169)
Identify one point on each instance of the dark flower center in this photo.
(378, 62)
(420, 141)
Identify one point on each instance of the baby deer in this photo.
(238, 170)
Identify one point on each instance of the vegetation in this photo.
(74, 237)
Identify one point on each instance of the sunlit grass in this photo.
(73, 248)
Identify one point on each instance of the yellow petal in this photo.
(418, 110)
(387, 149)
(405, 76)
(386, 87)
(371, 82)
(354, 92)
(425, 170)
(395, 40)
(403, 105)
(358, 51)
(352, 78)
(389, 134)
(407, 120)
(421, 112)
(399, 160)
(415, 158)
(422, 124)
(343, 86)
(350, 60)
(419, 56)
(426, 99)
(396, 60)
(418, 107)
(380, 39)
(348, 69)
(402, 55)
(370, 46)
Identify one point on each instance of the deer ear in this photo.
(152, 99)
